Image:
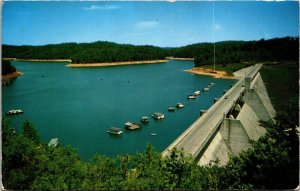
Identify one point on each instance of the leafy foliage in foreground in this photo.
(30, 164)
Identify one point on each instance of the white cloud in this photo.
(105, 7)
(148, 24)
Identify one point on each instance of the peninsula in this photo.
(115, 63)
(211, 72)
(11, 75)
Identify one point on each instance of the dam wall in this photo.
(257, 97)
(234, 133)
(228, 127)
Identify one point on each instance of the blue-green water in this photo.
(78, 105)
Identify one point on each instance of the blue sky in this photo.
(162, 24)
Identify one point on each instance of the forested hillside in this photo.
(277, 49)
(86, 52)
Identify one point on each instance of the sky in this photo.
(164, 24)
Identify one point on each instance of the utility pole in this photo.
(214, 35)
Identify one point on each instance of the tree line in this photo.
(226, 52)
(86, 52)
(272, 163)
(7, 67)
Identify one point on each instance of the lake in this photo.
(79, 105)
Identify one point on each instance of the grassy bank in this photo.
(282, 83)
(281, 80)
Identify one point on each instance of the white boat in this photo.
(205, 89)
(179, 105)
(172, 109)
(196, 93)
(115, 130)
(14, 112)
(158, 115)
(153, 134)
(191, 97)
(53, 142)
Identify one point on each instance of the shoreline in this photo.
(177, 58)
(38, 60)
(80, 65)
(211, 72)
(11, 75)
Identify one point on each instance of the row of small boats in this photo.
(198, 92)
(156, 115)
(144, 120)
(133, 125)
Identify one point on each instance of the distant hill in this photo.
(85, 52)
(276, 49)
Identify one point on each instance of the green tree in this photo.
(7, 67)
(30, 132)
(61, 169)
(20, 159)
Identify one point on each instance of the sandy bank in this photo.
(39, 60)
(8, 58)
(12, 75)
(116, 63)
(176, 58)
(211, 72)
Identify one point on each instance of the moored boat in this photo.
(14, 112)
(53, 142)
(196, 93)
(132, 125)
(115, 130)
(179, 105)
(205, 89)
(171, 109)
(191, 97)
(153, 134)
(145, 119)
(158, 115)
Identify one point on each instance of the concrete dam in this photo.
(228, 126)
